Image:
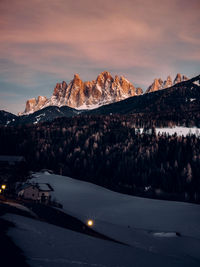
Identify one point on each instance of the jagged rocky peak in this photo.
(60, 89)
(104, 77)
(76, 82)
(139, 91)
(77, 79)
(180, 78)
(34, 104)
(158, 84)
(155, 86)
(30, 104)
(168, 82)
(85, 95)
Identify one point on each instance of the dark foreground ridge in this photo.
(10, 254)
(55, 217)
(59, 218)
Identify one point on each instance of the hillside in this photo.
(157, 232)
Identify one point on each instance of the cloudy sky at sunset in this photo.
(47, 41)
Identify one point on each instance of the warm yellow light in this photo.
(90, 223)
(3, 186)
(0, 191)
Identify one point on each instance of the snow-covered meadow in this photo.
(157, 232)
(179, 130)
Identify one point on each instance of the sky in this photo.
(43, 42)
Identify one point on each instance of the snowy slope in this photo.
(51, 246)
(179, 130)
(150, 225)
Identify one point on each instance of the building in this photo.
(36, 192)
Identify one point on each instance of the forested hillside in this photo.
(110, 151)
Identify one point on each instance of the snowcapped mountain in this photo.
(86, 95)
(158, 84)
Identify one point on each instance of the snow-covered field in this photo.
(51, 246)
(148, 226)
(179, 130)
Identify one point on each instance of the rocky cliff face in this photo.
(86, 95)
(34, 104)
(92, 94)
(158, 84)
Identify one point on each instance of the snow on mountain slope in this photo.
(51, 246)
(162, 227)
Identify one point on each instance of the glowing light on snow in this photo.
(90, 223)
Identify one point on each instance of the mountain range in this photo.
(86, 95)
(159, 84)
(93, 94)
(178, 100)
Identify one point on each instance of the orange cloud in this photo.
(66, 36)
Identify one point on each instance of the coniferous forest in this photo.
(111, 151)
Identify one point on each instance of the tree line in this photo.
(111, 151)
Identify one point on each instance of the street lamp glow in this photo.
(0, 191)
(90, 223)
(3, 186)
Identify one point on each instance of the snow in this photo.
(107, 101)
(98, 87)
(197, 83)
(179, 130)
(92, 106)
(38, 118)
(46, 173)
(141, 223)
(50, 246)
(158, 233)
(44, 187)
(167, 234)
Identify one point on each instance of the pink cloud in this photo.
(59, 36)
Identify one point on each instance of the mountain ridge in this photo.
(177, 100)
(159, 84)
(85, 95)
(93, 94)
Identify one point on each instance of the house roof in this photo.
(44, 187)
(41, 187)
